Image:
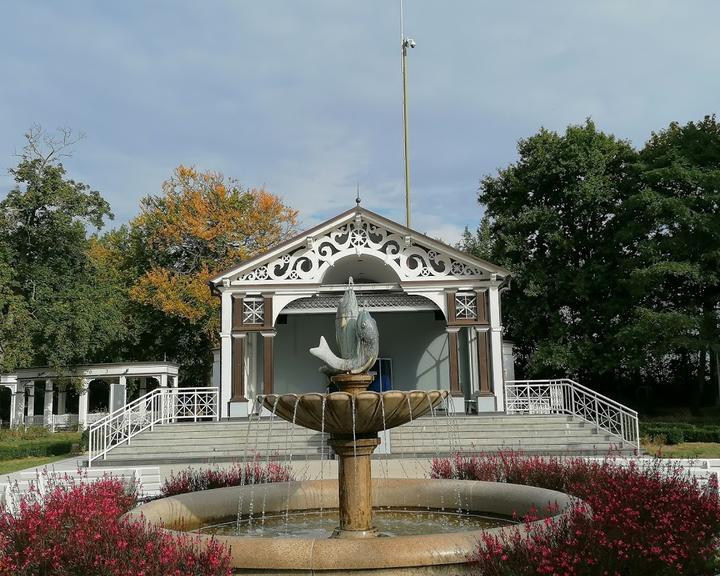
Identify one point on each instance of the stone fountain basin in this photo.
(374, 411)
(400, 555)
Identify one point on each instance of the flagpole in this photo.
(405, 43)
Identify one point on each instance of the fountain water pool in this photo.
(436, 553)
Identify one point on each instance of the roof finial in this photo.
(357, 196)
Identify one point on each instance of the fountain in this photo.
(354, 417)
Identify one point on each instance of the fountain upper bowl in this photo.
(342, 413)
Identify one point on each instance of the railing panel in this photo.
(565, 396)
(160, 406)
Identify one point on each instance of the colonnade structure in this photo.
(437, 308)
(56, 385)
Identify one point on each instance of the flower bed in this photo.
(195, 479)
(76, 530)
(642, 520)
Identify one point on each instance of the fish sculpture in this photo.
(357, 338)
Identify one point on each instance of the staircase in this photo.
(553, 417)
(548, 434)
(210, 442)
(224, 441)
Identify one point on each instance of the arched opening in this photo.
(5, 404)
(98, 396)
(413, 342)
(364, 269)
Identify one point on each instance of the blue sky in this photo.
(304, 96)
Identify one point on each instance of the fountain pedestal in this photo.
(354, 474)
(354, 486)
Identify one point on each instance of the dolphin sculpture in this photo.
(357, 337)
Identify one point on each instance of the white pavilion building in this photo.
(437, 309)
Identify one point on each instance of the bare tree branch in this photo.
(48, 147)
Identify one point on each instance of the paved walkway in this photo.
(326, 469)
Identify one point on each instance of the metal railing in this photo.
(565, 396)
(161, 406)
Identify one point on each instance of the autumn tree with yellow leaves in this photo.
(201, 224)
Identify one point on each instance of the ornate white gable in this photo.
(412, 256)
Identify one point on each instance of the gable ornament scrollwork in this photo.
(409, 259)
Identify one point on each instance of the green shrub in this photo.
(674, 436)
(676, 432)
(22, 444)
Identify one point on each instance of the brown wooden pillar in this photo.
(268, 372)
(483, 352)
(238, 368)
(453, 356)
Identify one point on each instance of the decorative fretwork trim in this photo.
(253, 310)
(371, 301)
(411, 261)
(466, 306)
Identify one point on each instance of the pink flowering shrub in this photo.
(77, 531)
(193, 479)
(643, 520)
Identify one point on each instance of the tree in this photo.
(201, 224)
(481, 244)
(672, 226)
(68, 316)
(553, 219)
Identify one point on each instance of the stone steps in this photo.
(238, 439)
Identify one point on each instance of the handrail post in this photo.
(597, 412)
(216, 394)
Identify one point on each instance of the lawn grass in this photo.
(9, 466)
(683, 450)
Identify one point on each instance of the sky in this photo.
(304, 97)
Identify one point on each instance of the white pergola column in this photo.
(48, 404)
(496, 351)
(62, 397)
(163, 380)
(118, 393)
(30, 387)
(83, 404)
(226, 360)
(17, 408)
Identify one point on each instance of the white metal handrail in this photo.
(565, 396)
(160, 406)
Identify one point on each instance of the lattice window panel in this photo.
(466, 306)
(253, 311)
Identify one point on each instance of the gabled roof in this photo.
(306, 257)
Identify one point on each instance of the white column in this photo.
(226, 353)
(19, 410)
(118, 394)
(48, 405)
(62, 396)
(83, 404)
(163, 380)
(13, 401)
(496, 353)
(30, 402)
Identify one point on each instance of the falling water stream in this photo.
(320, 522)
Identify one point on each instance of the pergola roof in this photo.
(112, 370)
(413, 257)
